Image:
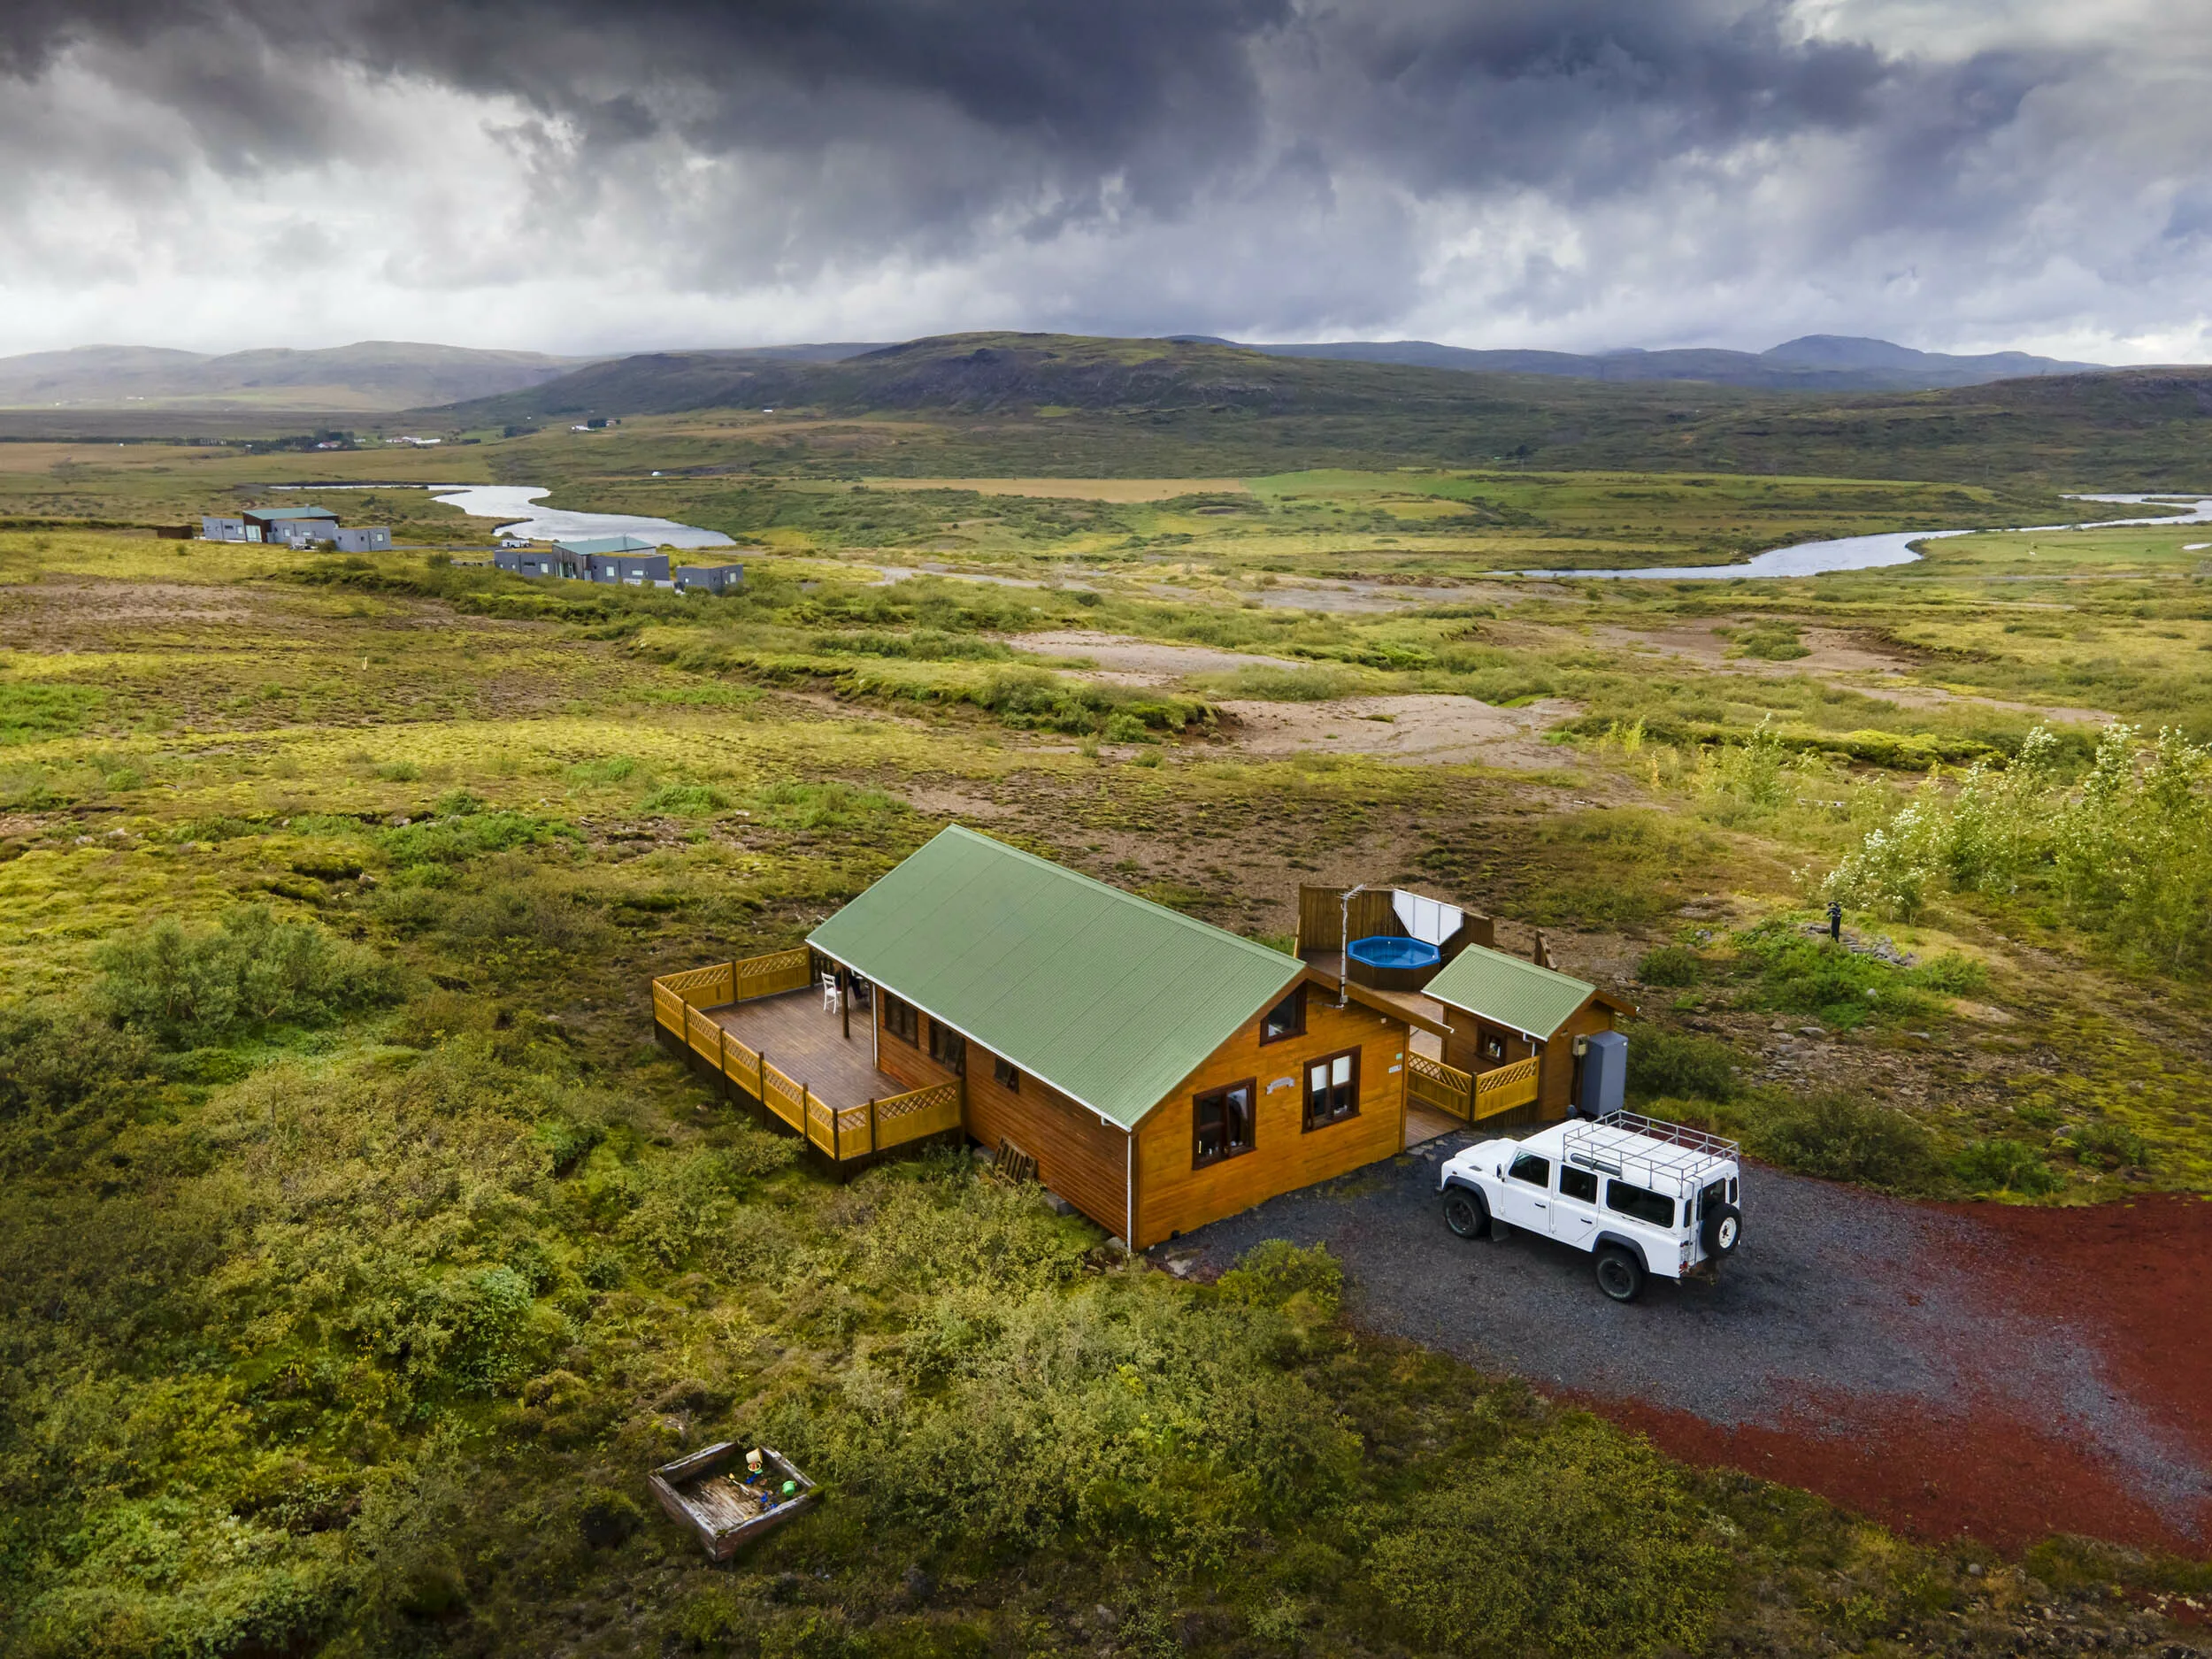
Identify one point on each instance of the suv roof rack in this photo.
(1682, 1153)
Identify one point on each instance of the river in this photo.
(514, 506)
(1871, 552)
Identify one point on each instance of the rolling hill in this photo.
(374, 376)
(1070, 405)
(1818, 363)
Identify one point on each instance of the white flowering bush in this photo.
(2126, 853)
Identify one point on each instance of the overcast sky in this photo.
(590, 175)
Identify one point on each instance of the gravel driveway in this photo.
(1843, 1317)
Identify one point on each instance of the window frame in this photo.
(1613, 1184)
(1006, 1074)
(901, 1020)
(1512, 1171)
(954, 1045)
(1200, 1159)
(1591, 1176)
(1306, 1091)
(1297, 995)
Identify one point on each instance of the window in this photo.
(1635, 1201)
(900, 1019)
(948, 1048)
(1492, 1046)
(1221, 1122)
(1529, 1168)
(1578, 1184)
(1332, 1088)
(1005, 1073)
(1286, 1018)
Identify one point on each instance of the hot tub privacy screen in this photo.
(1387, 950)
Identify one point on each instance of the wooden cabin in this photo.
(1502, 1010)
(1162, 1072)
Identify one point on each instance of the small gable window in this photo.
(1006, 1075)
(1286, 1018)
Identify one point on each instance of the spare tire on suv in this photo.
(1721, 1230)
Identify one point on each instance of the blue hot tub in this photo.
(1391, 964)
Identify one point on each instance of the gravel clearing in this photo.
(1852, 1345)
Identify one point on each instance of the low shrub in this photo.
(2001, 1165)
(1663, 1062)
(1839, 1136)
(1288, 685)
(51, 1060)
(1585, 1544)
(1671, 965)
(455, 837)
(794, 805)
(1794, 972)
(522, 912)
(2109, 1145)
(684, 800)
(251, 971)
(607, 769)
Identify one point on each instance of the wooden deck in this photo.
(797, 1035)
(1423, 1013)
(1425, 1123)
(805, 1072)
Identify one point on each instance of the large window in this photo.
(1221, 1122)
(900, 1019)
(1286, 1018)
(1639, 1203)
(1332, 1088)
(948, 1048)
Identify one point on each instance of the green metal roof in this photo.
(1108, 997)
(1508, 991)
(289, 512)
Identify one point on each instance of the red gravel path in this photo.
(2134, 1279)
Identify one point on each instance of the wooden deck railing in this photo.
(1433, 1083)
(679, 1003)
(1502, 1087)
(1473, 1097)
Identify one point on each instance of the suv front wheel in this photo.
(1620, 1275)
(1465, 1212)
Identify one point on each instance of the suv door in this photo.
(1524, 1195)
(1574, 1210)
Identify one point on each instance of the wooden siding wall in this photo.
(1085, 1161)
(1173, 1197)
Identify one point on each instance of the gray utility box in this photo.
(1601, 1075)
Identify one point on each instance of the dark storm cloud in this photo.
(1585, 93)
(1641, 169)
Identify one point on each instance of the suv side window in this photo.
(1578, 1184)
(1529, 1168)
(1638, 1201)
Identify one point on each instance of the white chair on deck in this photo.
(829, 993)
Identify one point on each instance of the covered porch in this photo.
(766, 1027)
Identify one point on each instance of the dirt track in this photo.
(2005, 1373)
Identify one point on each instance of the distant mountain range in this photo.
(1812, 362)
(375, 376)
(383, 377)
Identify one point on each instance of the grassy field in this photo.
(329, 890)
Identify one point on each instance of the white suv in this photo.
(1643, 1196)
